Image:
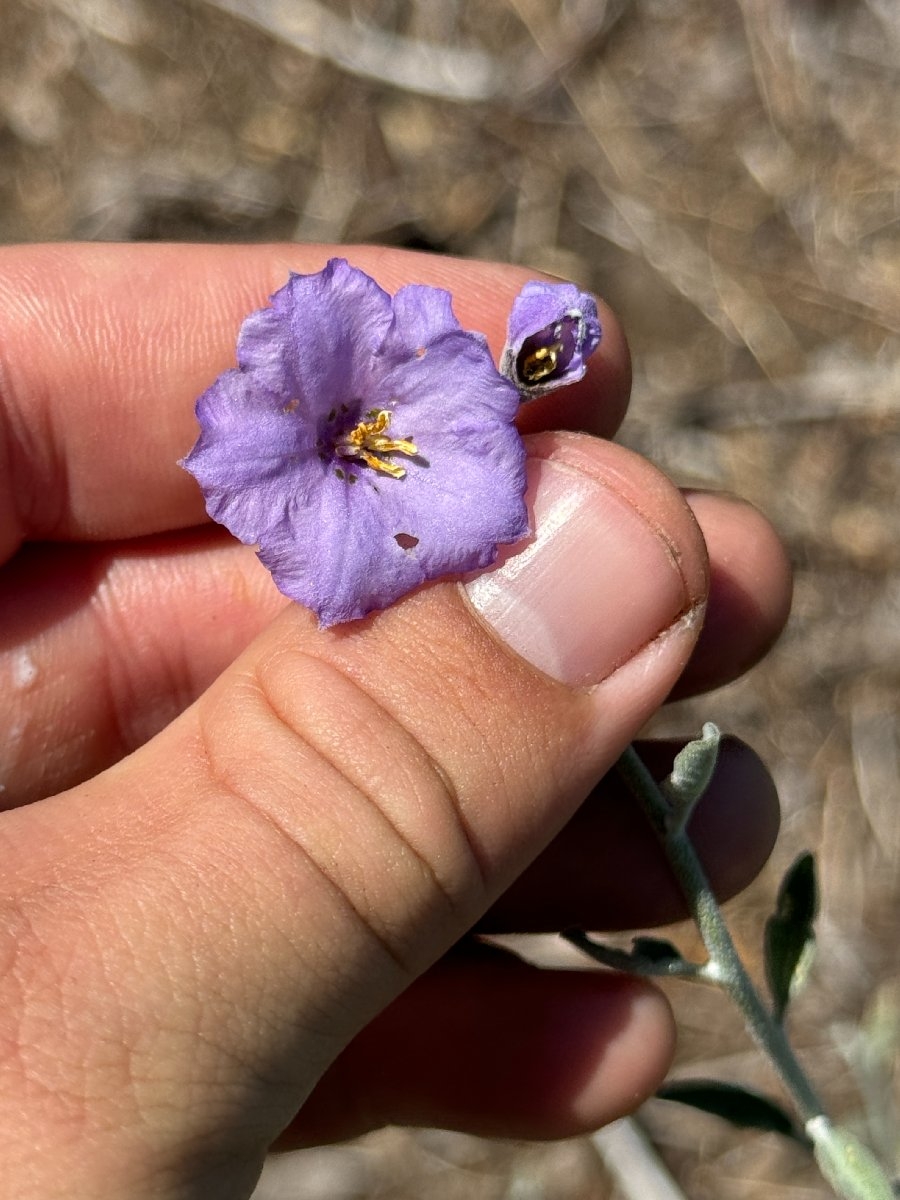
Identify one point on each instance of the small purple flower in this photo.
(553, 330)
(365, 443)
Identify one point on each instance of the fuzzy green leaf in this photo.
(655, 950)
(648, 956)
(691, 773)
(850, 1167)
(738, 1105)
(789, 934)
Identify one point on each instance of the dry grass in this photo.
(725, 173)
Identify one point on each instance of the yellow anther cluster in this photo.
(368, 440)
(538, 364)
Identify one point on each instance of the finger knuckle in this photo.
(344, 785)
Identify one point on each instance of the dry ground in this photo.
(725, 173)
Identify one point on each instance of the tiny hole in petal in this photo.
(406, 541)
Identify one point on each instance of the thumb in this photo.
(190, 939)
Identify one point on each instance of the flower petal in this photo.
(356, 547)
(317, 340)
(422, 315)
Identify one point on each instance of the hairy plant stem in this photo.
(725, 967)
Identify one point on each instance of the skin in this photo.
(241, 855)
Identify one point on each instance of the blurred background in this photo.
(725, 173)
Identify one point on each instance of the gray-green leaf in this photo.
(655, 950)
(850, 1167)
(789, 934)
(738, 1105)
(648, 956)
(691, 772)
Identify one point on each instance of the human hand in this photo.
(241, 925)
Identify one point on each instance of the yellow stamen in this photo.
(539, 363)
(378, 464)
(367, 440)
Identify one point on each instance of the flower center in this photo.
(548, 353)
(367, 441)
(536, 364)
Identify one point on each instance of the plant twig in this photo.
(450, 72)
(726, 967)
(634, 1163)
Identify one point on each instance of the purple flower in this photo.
(365, 443)
(553, 330)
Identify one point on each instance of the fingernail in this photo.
(592, 588)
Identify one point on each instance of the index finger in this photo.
(103, 350)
